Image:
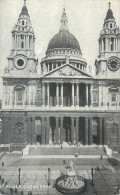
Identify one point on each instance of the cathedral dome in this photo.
(63, 39)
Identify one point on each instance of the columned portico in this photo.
(66, 94)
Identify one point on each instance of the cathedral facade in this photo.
(63, 102)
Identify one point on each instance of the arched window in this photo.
(113, 134)
(22, 45)
(22, 22)
(19, 92)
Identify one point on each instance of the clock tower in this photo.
(22, 57)
(108, 62)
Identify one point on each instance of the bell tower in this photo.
(22, 56)
(108, 62)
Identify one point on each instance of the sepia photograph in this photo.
(59, 97)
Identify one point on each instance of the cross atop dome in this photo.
(64, 21)
(109, 5)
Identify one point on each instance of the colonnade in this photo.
(75, 93)
(60, 131)
(26, 40)
(105, 44)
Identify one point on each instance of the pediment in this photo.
(67, 70)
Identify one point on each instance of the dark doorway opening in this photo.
(52, 126)
(81, 130)
(67, 94)
(38, 138)
(95, 139)
(82, 94)
(67, 126)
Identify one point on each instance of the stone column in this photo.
(11, 95)
(43, 94)
(17, 41)
(91, 95)
(29, 94)
(61, 94)
(119, 44)
(43, 130)
(72, 130)
(106, 44)
(99, 94)
(57, 93)
(77, 130)
(102, 45)
(28, 42)
(73, 99)
(90, 131)
(105, 132)
(47, 129)
(24, 43)
(86, 94)
(86, 131)
(15, 98)
(114, 44)
(61, 130)
(77, 84)
(57, 131)
(56, 65)
(100, 131)
(24, 97)
(48, 94)
(13, 42)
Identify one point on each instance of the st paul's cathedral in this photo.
(62, 102)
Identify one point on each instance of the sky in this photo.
(85, 21)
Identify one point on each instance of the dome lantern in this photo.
(64, 21)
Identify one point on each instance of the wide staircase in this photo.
(40, 150)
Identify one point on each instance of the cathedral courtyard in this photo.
(34, 170)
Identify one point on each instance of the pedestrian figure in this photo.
(2, 164)
(11, 190)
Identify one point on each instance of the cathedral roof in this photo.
(24, 10)
(63, 39)
(109, 14)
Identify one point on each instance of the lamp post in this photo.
(92, 176)
(49, 173)
(19, 176)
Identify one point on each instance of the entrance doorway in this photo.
(38, 138)
(67, 127)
